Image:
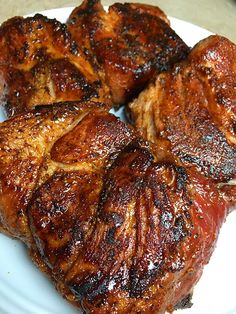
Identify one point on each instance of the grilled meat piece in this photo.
(130, 44)
(150, 241)
(190, 111)
(25, 143)
(40, 63)
(116, 231)
(118, 228)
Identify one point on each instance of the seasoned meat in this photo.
(97, 56)
(129, 44)
(117, 231)
(190, 111)
(24, 144)
(119, 225)
(40, 63)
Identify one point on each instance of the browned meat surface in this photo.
(116, 231)
(25, 142)
(40, 63)
(128, 44)
(190, 111)
(120, 227)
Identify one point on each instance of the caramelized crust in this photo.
(25, 142)
(118, 227)
(190, 111)
(130, 44)
(116, 231)
(40, 63)
(146, 249)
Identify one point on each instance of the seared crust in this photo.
(116, 231)
(117, 228)
(190, 111)
(25, 142)
(142, 255)
(130, 43)
(40, 63)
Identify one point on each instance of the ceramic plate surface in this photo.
(25, 290)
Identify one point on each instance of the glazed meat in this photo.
(97, 56)
(119, 225)
(24, 144)
(190, 111)
(40, 63)
(129, 44)
(117, 231)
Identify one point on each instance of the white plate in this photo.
(25, 290)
